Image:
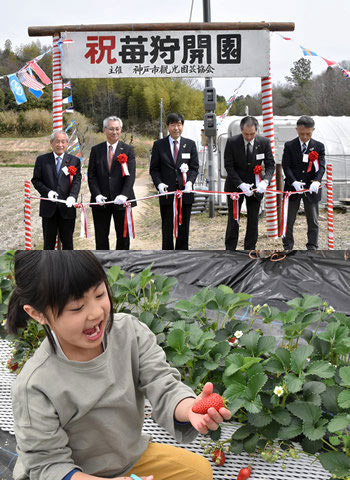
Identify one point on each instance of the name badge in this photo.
(186, 156)
(65, 170)
(305, 158)
(260, 156)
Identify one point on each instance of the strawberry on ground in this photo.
(12, 366)
(212, 400)
(244, 473)
(218, 457)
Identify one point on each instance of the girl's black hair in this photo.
(49, 279)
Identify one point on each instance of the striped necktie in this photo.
(58, 164)
(304, 148)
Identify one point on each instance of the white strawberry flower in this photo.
(278, 391)
(330, 310)
(238, 334)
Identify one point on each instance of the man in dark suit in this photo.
(57, 176)
(111, 177)
(242, 154)
(303, 164)
(173, 160)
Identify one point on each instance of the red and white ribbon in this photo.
(177, 207)
(235, 199)
(123, 160)
(184, 170)
(84, 228)
(128, 221)
(316, 165)
(284, 214)
(257, 179)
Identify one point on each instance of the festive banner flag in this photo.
(67, 85)
(40, 72)
(36, 93)
(17, 89)
(307, 52)
(329, 62)
(68, 110)
(70, 125)
(29, 81)
(68, 99)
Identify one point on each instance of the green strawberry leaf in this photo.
(294, 384)
(281, 415)
(321, 368)
(306, 411)
(255, 384)
(335, 462)
(344, 373)
(291, 431)
(339, 422)
(299, 357)
(259, 419)
(344, 399)
(315, 432)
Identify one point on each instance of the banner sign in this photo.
(199, 53)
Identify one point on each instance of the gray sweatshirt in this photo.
(89, 415)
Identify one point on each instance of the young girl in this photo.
(78, 403)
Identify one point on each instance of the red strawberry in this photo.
(232, 340)
(218, 457)
(12, 366)
(244, 473)
(212, 400)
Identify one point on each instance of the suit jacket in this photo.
(110, 184)
(295, 169)
(45, 178)
(164, 170)
(238, 170)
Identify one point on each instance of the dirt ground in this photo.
(205, 233)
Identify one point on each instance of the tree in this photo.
(301, 73)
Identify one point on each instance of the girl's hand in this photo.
(210, 420)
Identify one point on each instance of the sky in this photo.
(320, 25)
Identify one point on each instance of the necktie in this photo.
(58, 164)
(249, 153)
(110, 157)
(176, 150)
(303, 150)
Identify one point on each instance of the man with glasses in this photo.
(250, 166)
(111, 177)
(57, 176)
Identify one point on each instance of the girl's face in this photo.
(80, 327)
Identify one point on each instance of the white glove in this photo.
(262, 186)
(120, 199)
(52, 195)
(70, 202)
(100, 199)
(162, 187)
(315, 185)
(245, 187)
(188, 187)
(298, 185)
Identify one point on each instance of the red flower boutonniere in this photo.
(313, 155)
(123, 160)
(313, 159)
(72, 170)
(257, 169)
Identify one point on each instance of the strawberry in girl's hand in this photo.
(212, 400)
(218, 457)
(244, 473)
